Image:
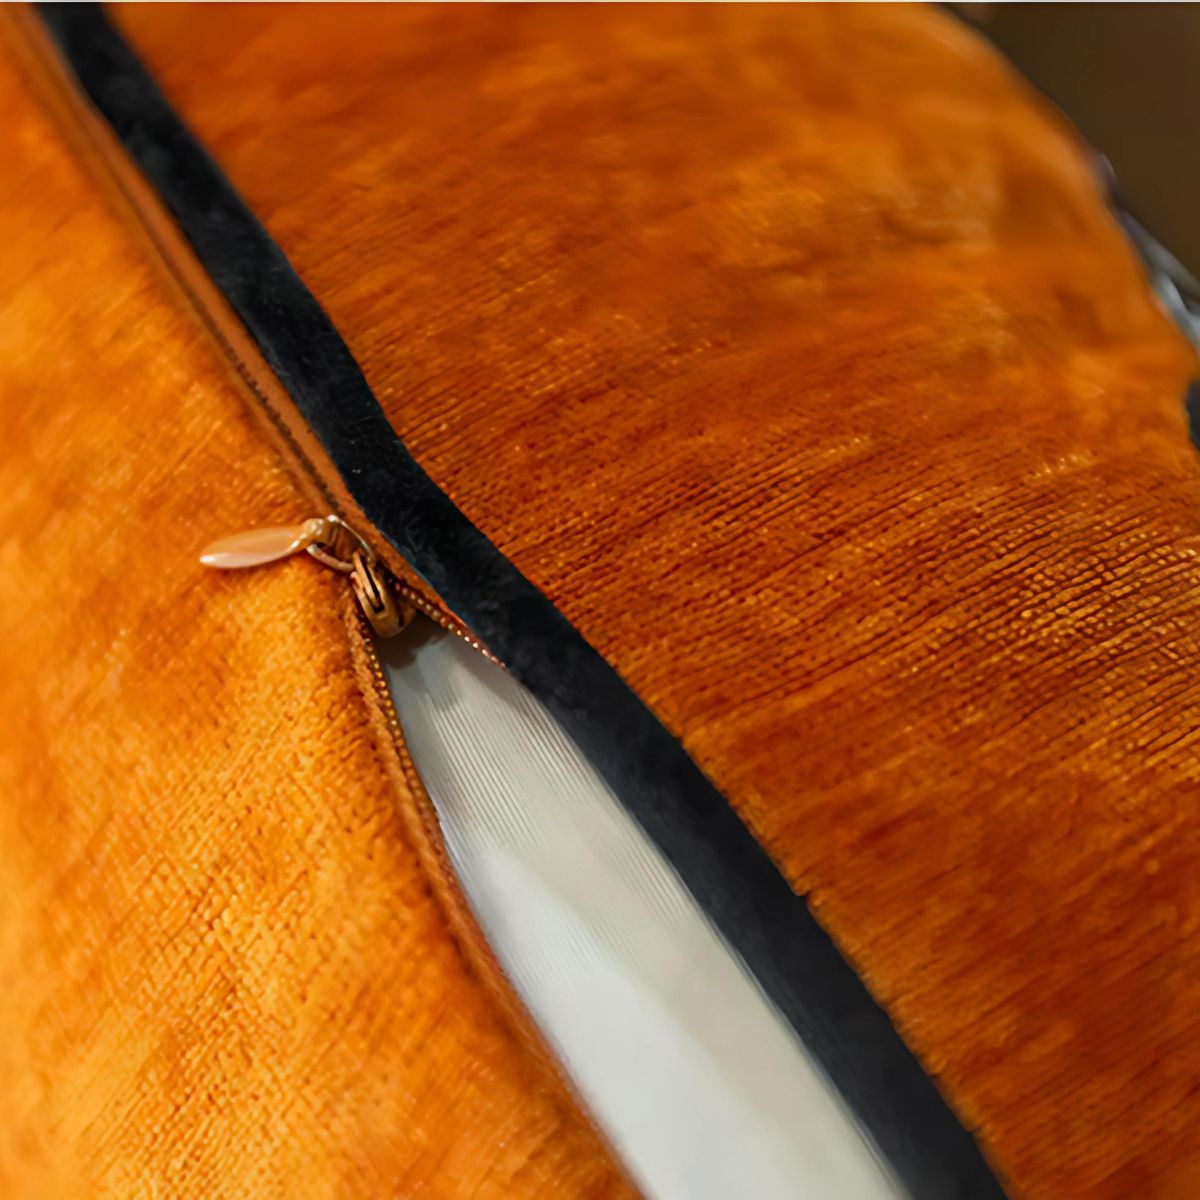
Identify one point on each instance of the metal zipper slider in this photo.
(332, 543)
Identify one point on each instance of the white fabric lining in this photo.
(699, 1084)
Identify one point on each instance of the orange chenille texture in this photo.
(224, 967)
(793, 353)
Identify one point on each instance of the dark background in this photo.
(1126, 75)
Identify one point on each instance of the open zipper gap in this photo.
(707, 1084)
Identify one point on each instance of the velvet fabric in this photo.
(794, 356)
(208, 235)
(230, 960)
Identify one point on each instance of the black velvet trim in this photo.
(724, 867)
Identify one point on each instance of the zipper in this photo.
(332, 543)
(630, 943)
(386, 606)
(621, 959)
(387, 602)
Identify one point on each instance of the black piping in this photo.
(726, 870)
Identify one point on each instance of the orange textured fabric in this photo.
(793, 354)
(226, 970)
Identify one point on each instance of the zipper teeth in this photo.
(305, 465)
(410, 595)
(383, 694)
(467, 925)
(400, 587)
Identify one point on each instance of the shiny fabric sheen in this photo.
(793, 353)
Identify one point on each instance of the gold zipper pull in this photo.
(256, 547)
(332, 543)
(377, 601)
